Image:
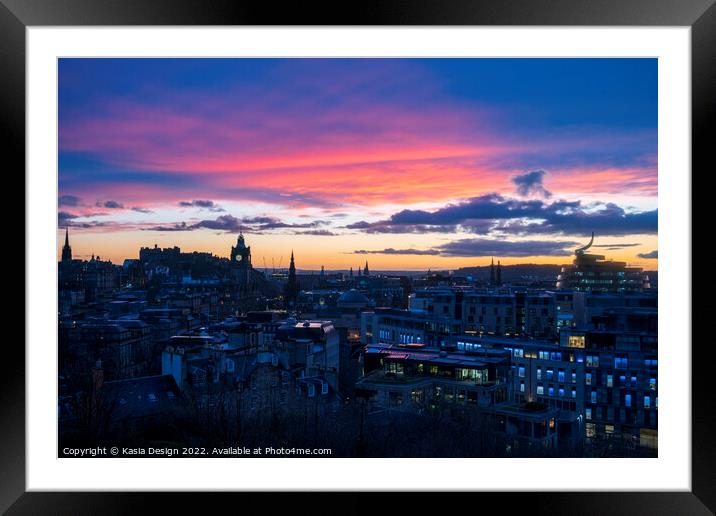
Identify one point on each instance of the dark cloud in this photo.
(474, 247)
(650, 255)
(227, 223)
(141, 210)
(390, 250)
(180, 226)
(112, 205)
(317, 232)
(68, 200)
(230, 224)
(615, 246)
(531, 184)
(201, 203)
(63, 217)
(494, 213)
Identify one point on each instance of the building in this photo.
(620, 355)
(396, 326)
(594, 273)
(415, 377)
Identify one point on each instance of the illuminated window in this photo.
(588, 413)
(576, 341)
(539, 373)
(561, 392)
(574, 377)
(550, 373)
(610, 381)
(620, 363)
(540, 389)
(627, 400)
(550, 391)
(574, 393)
(521, 372)
(647, 402)
(593, 397)
(522, 386)
(588, 379)
(589, 429)
(560, 376)
(652, 384)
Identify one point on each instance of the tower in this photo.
(351, 273)
(365, 270)
(241, 259)
(66, 249)
(492, 272)
(292, 287)
(499, 273)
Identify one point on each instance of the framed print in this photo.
(416, 250)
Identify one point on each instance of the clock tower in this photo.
(241, 258)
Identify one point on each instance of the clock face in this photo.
(238, 257)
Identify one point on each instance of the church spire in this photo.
(365, 270)
(66, 249)
(292, 288)
(492, 272)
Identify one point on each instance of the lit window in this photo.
(627, 400)
(588, 413)
(521, 372)
(561, 392)
(539, 373)
(574, 393)
(522, 386)
(576, 341)
(540, 389)
(652, 384)
(550, 391)
(593, 397)
(588, 379)
(610, 381)
(647, 402)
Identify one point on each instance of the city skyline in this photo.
(408, 163)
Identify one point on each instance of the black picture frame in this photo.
(700, 15)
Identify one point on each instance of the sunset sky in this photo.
(406, 163)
